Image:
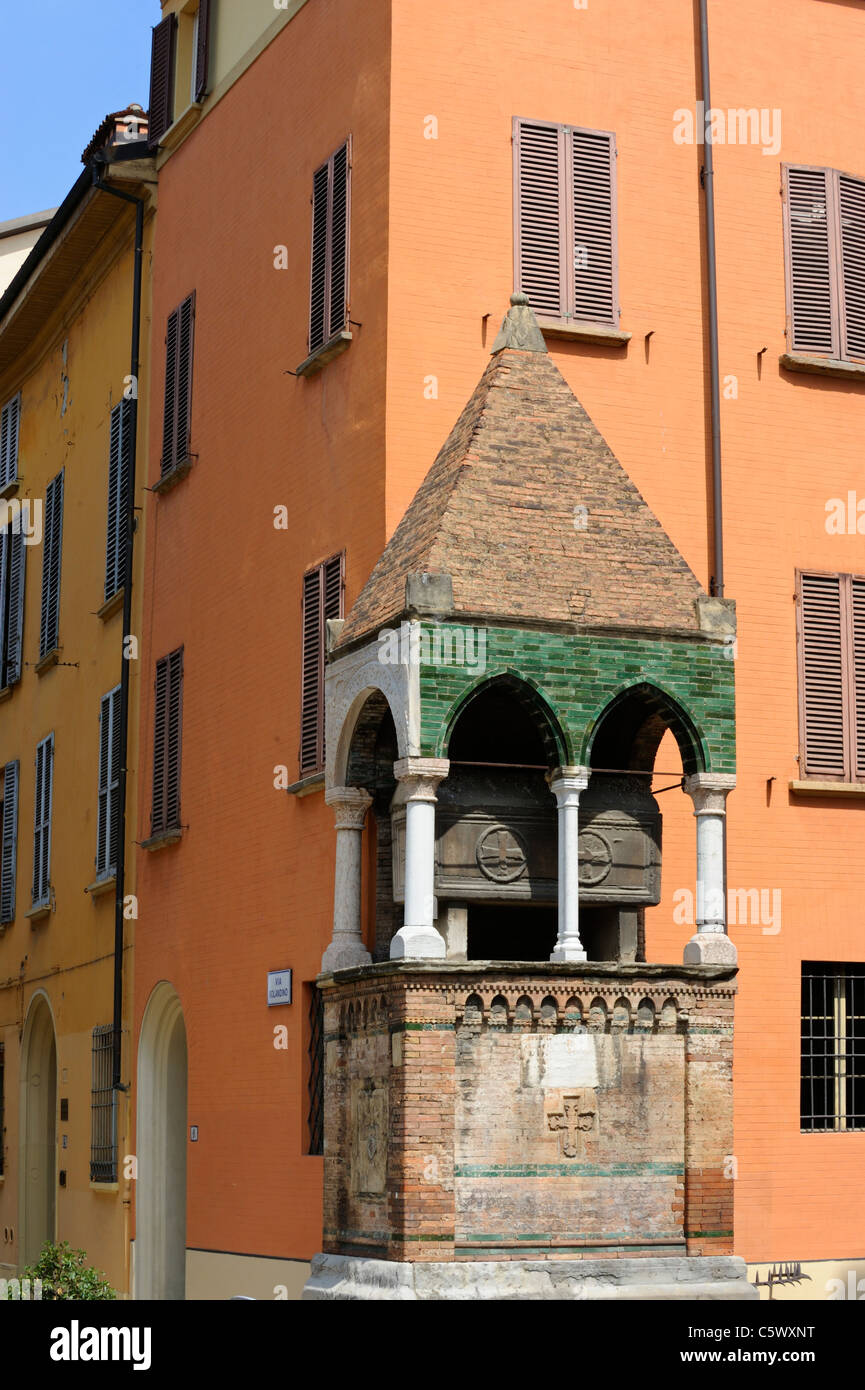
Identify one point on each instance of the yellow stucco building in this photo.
(69, 686)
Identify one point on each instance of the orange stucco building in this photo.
(299, 449)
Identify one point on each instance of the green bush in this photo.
(65, 1275)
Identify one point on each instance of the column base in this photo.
(352, 1278)
(418, 943)
(344, 955)
(711, 948)
(568, 952)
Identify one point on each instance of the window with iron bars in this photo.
(315, 1082)
(103, 1108)
(833, 1046)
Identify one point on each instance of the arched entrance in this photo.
(38, 1130)
(160, 1208)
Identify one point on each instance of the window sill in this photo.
(313, 782)
(101, 886)
(173, 477)
(181, 126)
(162, 840)
(318, 359)
(10, 488)
(47, 661)
(601, 333)
(811, 787)
(6, 693)
(111, 606)
(37, 914)
(104, 1186)
(822, 366)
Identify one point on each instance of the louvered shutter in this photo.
(49, 628)
(161, 113)
(178, 385)
(166, 743)
(339, 225)
(318, 293)
(857, 606)
(13, 607)
(42, 821)
(9, 418)
(312, 674)
(851, 205)
(119, 477)
(202, 49)
(822, 676)
(811, 279)
(9, 854)
(593, 253)
(540, 216)
(108, 817)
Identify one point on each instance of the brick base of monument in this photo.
(561, 1129)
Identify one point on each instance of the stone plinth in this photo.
(528, 1114)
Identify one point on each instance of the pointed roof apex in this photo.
(520, 328)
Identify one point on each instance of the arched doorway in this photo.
(160, 1208)
(38, 1130)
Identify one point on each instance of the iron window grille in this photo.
(103, 1108)
(833, 1047)
(316, 1072)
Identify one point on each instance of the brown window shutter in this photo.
(823, 677)
(318, 270)
(178, 385)
(323, 590)
(812, 294)
(165, 814)
(539, 216)
(328, 292)
(592, 257)
(339, 229)
(857, 609)
(161, 111)
(851, 208)
(202, 50)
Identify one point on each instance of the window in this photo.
(824, 223)
(9, 417)
(42, 822)
(119, 479)
(833, 1046)
(322, 599)
(328, 298)
(162, 60)
(831, 611)
(315, 1075)
(178, 386)
(108, 816)
(103, 1107)
(9, 851)
(166, 743)
(565, 221)
(49, 627)
(13, 566)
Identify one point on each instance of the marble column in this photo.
(350, 805)
(418, 939)
(711, 945)
(566, 783)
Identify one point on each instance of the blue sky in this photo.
(64, 64)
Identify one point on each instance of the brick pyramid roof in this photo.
(499, 512)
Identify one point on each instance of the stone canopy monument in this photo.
(516, 1103)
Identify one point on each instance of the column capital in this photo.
(709, 791)
(350, 805)
(419, 777)
(564, 780)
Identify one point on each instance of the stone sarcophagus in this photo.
(496, 839)
(496, 1131)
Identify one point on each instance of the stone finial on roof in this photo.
(519, 328)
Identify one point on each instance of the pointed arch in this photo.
(634, 721)
(160, 1206)
(528, 695)
(37, 1130)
